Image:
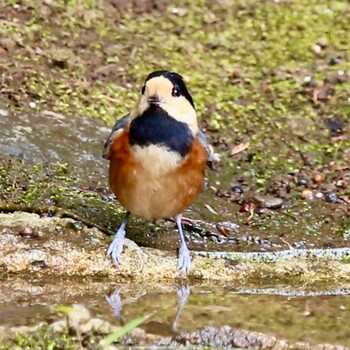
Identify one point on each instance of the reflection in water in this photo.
(314, 315)
(116, 303)
(183, 292)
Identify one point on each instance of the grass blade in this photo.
(113, 337)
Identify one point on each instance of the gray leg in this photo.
(116, 247)
(184, 254)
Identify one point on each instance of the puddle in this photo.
(314, 315)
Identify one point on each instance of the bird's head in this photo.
(167, 90)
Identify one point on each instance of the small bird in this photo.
(157, 157)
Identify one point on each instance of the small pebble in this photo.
(236, 189)
(8, 44)
(331, 198)
(335, 60)
(179, 11)
(318, 177)
(267, 201)
(323, 42)
(307, 194)
(3, 113)
(346, 235)
(28, 232)
(39, 51)
(41, 264)
(318, 195)
(340, 183)
(36, 254)
(303, 182)
(316, 49)
(74, 225)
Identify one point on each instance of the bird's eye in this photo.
(143, 89)
(176, 91)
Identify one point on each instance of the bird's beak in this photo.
(155, 100)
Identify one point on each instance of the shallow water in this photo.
(316, 315)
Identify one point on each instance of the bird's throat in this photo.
(156, 127)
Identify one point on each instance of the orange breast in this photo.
(154, 197)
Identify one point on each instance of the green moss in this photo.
(42, 339)
(207, 45)
(245, 63)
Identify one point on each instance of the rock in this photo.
(39, 264)
(322, 42)
(307, 194)
(316, 49)
(335, 60)
(79, 314)
(59, 326)
(318, 195)
(4, 113)
(8, 44)
(97, 325)
(267, 201)
(37, 255)
(331, 198)
(318, 177)
(336, 78)
(303, 182)
(236, 189)
(27, 232)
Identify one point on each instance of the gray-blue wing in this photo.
(119, 125)
(204, 142)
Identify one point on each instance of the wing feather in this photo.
(119, 126)
(205, 144)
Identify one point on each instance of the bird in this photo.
(157, 157)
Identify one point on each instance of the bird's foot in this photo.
(184, 264)
(116, 247)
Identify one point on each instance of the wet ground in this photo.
(286, 317)
(275, 107)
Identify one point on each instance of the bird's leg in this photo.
(184, 253)
(116, 247)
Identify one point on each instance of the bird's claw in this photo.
(116, 247)
(184, 264)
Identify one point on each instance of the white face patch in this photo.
(156, 159)
(178, 107)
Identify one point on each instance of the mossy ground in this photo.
(266, 72)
